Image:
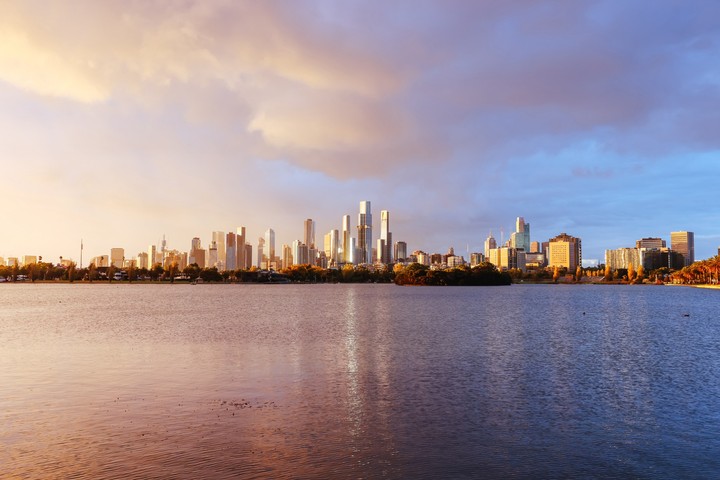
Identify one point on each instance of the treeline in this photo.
(704, 272)
(192, 273)
(484, 274)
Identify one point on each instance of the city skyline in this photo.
(186, 119)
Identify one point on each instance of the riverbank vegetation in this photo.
(705, 272)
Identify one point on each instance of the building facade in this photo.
(564, 251)
(684, 244)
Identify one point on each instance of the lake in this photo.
(358, 381)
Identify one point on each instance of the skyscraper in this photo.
(347, 254)
(242, 259)
(684, 244)
(230, 251)
(385, 255)
(400, 253)
(219, 239)
(490, 244)
(520, 238)
(269, 252)
(152, 256)
(331, 247)
(364, 237)
(309, 231)
(260, 252)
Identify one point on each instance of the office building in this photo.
(657, 243)
(534, 247)
(142, 260)
(331, 240)
(242, 260)
(287, 256)
(219, 239)
(490, 244)
(400, 253)
(300, 253)
(364, 237)
(117, 257)
(520, 238)
(507, 258)
(346, 242)
(247, 256)
(152, 256)
(309, 233)
(269, 251)
(684, 244)
(212, 258)
(261, 253)
(385, 253)
(230, 251)
(564, 251)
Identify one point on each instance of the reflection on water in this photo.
(348, 381)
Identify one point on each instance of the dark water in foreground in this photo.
(358, 381)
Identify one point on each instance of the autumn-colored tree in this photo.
(608, 273)
(630, 272)
(578, 273)
(640, 274)
(556, 274)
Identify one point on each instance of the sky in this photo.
(121, 122)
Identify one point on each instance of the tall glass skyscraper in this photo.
(364, 238)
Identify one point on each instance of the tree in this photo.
(608, 273)
(630, 272)
(556, 274)
(111, 272)
(578, 273)
(640, 274)
(71, 272)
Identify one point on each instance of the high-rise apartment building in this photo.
(520, 238)
(347, 253)
(624, 257)
(684, 244)
(364, 228)
(564, 251)
(309, 232)
(385, 253)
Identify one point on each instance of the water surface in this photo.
(358, 381)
